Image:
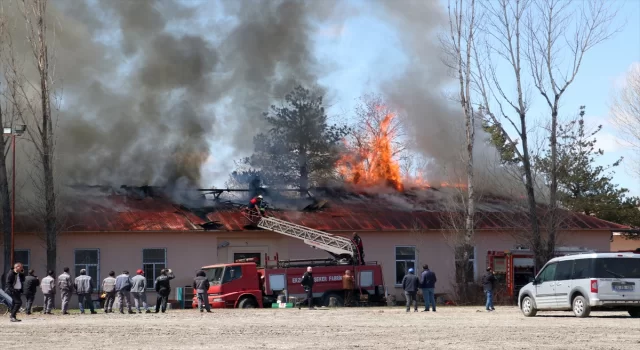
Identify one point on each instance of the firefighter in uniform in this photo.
(256, 204)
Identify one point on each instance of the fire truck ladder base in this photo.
(333, 244)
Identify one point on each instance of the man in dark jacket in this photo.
(31, 283)
(201, 287)
(410, 283)
(488, 284)
(163, 288)
(428, 284)
(307, 284)
(13, 287)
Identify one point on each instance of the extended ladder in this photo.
(321, 240)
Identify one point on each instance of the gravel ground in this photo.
(347, 328)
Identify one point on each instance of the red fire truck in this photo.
(243, 284)
(515, 268)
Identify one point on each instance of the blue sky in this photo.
(366, 52)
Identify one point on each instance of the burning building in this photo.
(150, 228)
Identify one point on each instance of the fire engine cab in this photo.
(515, 268)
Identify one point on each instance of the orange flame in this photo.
(372, 163)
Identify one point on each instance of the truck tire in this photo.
(339, 299)
(581, 307)
(247, 303)
(634, 313)
(528, 307)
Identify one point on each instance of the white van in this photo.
(585, 283)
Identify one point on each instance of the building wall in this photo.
(620, 242)
(187, 252)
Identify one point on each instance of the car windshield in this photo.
(214, 274)
(618, 268)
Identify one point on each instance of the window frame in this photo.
(86, 266)
(396, 260)
(151, 286)
(26, 265)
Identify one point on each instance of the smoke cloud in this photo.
(147, 85)
(435, 122)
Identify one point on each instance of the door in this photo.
(618, 278)
(546, 287)
(563, 282)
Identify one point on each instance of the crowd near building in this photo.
(107, 230)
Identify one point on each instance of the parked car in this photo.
(583, 283)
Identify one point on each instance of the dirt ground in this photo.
(346, 328)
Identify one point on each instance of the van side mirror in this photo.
(533, 280)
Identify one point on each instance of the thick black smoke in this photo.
(142, 82)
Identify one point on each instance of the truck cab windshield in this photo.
(214, 275)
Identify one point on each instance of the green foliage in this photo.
(299, 149)
(584, 186)
(506, 149)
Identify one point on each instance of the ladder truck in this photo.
(243, 284)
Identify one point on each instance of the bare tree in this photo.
(458, 45)
(38, 114)
(625, 111)
(5, 118)
(555, 32)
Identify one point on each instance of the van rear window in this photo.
(617, 268)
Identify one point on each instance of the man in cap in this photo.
(84, 286)
(139, 291)
(410, 283)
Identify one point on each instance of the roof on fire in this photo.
(332, 211)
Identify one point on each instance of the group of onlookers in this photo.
(123, 287)
(427, 283)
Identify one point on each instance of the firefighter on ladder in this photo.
(358, 241)
(255, 204)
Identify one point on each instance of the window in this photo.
(237, 256)
(548, 273)
(232, 273)
(466, 269)
(88, 259)
(366, 279)
(582, 269)
(23, 256)
(564, 270)
(153, 261)
(617, 268)
(405, 260)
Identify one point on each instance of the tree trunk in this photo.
(51, 229)
(5, 204)
(552, 225)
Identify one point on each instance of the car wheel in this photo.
(527, 307)
(247, 303)
(581, 307)
(635, 313)
(339, 299)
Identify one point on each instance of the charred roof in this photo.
(152, 209)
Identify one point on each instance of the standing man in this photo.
(109, 289)
(84, 286)
(48, 286)
(410, 284)
(358, 241)
(13, 287)
(201, 286)
(348, 285)
(163, 288)
(428, 284)
(123, 290)
(139, 291)
(65, 286)
(31, 284)
(307, 284)
(488, 284)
